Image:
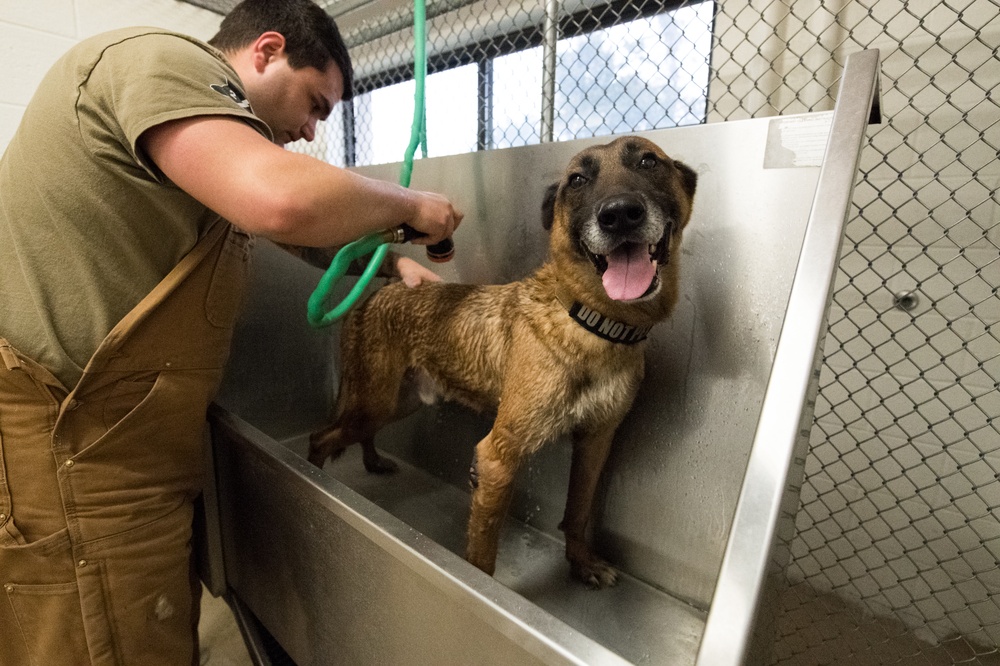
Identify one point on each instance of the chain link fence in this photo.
(898, 533)
(896, 555)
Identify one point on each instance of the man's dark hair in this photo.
(312, 38)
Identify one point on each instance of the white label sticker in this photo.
(797, 141)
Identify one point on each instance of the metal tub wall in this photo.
(348, 568)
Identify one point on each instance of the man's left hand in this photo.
(414, 274)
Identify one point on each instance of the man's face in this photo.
(291, 101)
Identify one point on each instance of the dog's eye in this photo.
(648, 161)
(577, 180)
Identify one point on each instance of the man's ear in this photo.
(265, 48)
(549, 206)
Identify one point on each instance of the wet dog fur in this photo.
(515, 348)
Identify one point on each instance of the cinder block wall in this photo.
(34, 33)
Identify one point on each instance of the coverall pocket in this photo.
(126, 396)
(145, 580)
(48, 621)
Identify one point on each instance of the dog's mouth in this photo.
(630, 271)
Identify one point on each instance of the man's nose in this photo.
(309, 130)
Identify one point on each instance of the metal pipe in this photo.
(398, 19)
(549, 45)
(485, 114)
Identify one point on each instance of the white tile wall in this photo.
(94, 16)
(10, 116)
(33, 34)
(904, 555)
(32, 51)
(57, 17)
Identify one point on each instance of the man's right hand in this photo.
(436, 218)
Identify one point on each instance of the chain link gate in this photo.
(897, 552)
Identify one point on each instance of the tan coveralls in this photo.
(96, 485)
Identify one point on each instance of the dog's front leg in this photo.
(496, 464)
(590, 452)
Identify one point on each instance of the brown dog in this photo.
(558, 352)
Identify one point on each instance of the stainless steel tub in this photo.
(342, 567)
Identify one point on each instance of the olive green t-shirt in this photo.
(88, 225)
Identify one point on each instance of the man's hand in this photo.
(435, 217)
(414, 274)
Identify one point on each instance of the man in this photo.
(120, 278)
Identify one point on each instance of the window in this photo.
(386, 115)
(517, 108)
(614, 74)
(649, 73)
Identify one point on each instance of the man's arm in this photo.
(284, 196)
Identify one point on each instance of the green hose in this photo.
(376, 242)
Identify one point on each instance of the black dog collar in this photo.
(605, 327)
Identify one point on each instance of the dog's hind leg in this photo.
(590, 452)
(366, 402)
(357, 423)
(331, 441)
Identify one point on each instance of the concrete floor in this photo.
(815, 629)
(220, 638)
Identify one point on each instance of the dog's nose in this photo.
(621, 213)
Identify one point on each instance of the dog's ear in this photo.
(549, 206)
(689, 178)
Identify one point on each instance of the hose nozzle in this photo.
(439, 253)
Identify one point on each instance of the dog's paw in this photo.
(317, 458)
(595, 574)
(380, 465)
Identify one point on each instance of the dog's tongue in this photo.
(630, 272)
